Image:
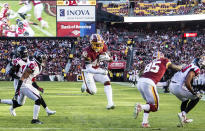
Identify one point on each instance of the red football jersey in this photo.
(156, 69)
(93, 56)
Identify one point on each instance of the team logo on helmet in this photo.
(40, 57)
(22, 52)
(96, 42)
(158, 55)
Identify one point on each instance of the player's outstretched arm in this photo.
(176, 67)
(34, 84)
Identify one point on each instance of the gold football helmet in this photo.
(96, 42)
(158, 55)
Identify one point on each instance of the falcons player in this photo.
(26, 84)
(38, 8)
(23, 28)
(152, 74)
(18, 66)
(182, 88)
(91, 72)
(4, 11)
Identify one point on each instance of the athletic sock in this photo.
(191, 105)
(145, 117)
(36, 110)
(7, 101)
(108, 92)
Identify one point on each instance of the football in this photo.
(104, 57)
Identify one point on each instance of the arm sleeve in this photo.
(34, 84)
(12, 72)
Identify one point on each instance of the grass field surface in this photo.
(78, 111)
(14, 6)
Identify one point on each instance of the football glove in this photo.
(41, 90)
(199, 95)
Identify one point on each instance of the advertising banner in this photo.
(75, 29)
(117, 65)
(76, 2)
(75, 13)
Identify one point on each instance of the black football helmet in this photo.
(40, 57)
(22, 52)
(200, 62)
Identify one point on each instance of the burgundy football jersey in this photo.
(94, 56)
(156, 69)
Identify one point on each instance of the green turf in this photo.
(50, 19)
(77, 111)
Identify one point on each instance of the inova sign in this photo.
(76, 13)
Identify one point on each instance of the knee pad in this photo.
(153, 108)
(38, 102)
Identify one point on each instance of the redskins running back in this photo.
(91, 72)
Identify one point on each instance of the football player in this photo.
(26, 84)
(135, 77)
(38, 8)
(18, 65)
(182, 88)
(91, 72)
(152, 74)
(23, 28)
(5, 12)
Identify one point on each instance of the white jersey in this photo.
(36, 71)
(22, 64)
(180, 76)
(135, 72)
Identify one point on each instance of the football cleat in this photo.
(12, 111)
(109, 107)
(44, 24)
(137, 109)
(83, 89)
(188, 120)
(145, 125)
(36, 121)
(182, 118)
(50, 112)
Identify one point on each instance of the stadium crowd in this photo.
(154, 9)
(119, 41)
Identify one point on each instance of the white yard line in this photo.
(37, 27)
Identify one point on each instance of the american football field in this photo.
(39, 32)
(78, 111)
